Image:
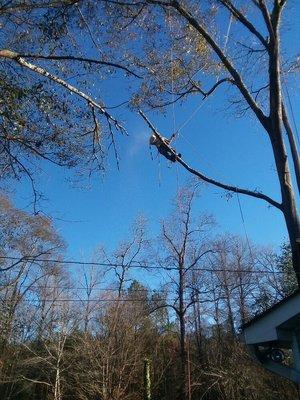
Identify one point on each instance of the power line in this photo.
(94, 288)
(78, 300)
(71, 300)
(244, 226)
(141, 266)
(291, 109)
(157, 301)
(86, 263)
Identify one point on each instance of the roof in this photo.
(271, 309)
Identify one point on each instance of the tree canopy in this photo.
(57, 57)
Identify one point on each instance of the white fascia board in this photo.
(264, 329)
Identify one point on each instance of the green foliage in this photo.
(284, 265)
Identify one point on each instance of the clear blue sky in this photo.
(223, 147)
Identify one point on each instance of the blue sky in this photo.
(233, 150)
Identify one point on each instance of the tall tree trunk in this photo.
(57, 393)
(293, 226)
(183, 355)
(147, 380)
(289, 208)
(183, 358)
(197, 324)
(230, 316)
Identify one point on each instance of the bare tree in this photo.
(184, 247)
(131, 252)
(236, 276)
(24, 240)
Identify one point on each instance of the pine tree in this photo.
(284, 265)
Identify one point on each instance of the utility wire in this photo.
(87, 263)
(82, 300)
(291, 109)
(245, 229)
(94, 288)
(166, 301)
(197, 109)
(143, 267)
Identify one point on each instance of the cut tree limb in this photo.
(11, 55)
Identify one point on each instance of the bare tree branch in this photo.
(213, 88)
(239, 15)
(24, 259)
(41, 5)
(28, 174)
(35, 380)
(79, 59)
(235, 189)
(264, 10)
(293, 146)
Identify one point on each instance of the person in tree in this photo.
(163, 147)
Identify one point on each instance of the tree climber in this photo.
(163, 147)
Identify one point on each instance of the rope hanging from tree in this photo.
(162, 143)
(176, 132)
